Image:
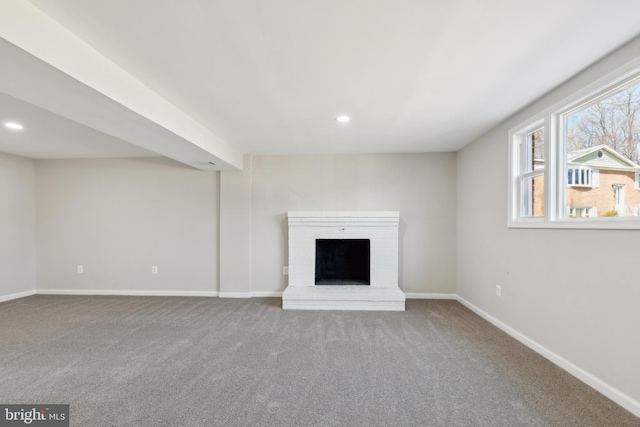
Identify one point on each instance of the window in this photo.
(582, 177)
(582, 212)
(575, 164)
(530, 175)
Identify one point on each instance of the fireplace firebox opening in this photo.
(343, 261)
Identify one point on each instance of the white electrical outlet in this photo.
(154, 269)
(285, 270)
(498, 290)
(80, 269)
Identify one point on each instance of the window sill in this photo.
(628, 223)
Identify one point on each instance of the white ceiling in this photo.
(269, 77)
(49, 136)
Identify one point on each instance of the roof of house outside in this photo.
(610, 158)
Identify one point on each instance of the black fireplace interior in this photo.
(342, 261)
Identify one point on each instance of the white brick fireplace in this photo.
(379, 227)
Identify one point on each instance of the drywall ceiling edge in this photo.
(28, 28)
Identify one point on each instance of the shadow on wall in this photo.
(402, 228)
(284, 225)
(217, 209)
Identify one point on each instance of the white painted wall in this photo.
(420, 186)
(119, 217)
(17, 226)
(235, 232)
(574, 292)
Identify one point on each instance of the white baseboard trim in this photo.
(139, 293)
(17, 295)
(249, 294)
(126, 293)
(594, 382)
(234, 295)
(421, 295)
(266, 294)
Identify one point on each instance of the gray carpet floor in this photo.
(169, 361)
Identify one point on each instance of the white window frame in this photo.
(553, 119)
(518, 178)
(590, 211)
(587, 176)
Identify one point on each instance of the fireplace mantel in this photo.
(343, 218)
(380, 227)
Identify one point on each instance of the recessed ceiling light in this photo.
(343, 119)
(13, 125)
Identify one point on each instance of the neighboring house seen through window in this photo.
(589, 165)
